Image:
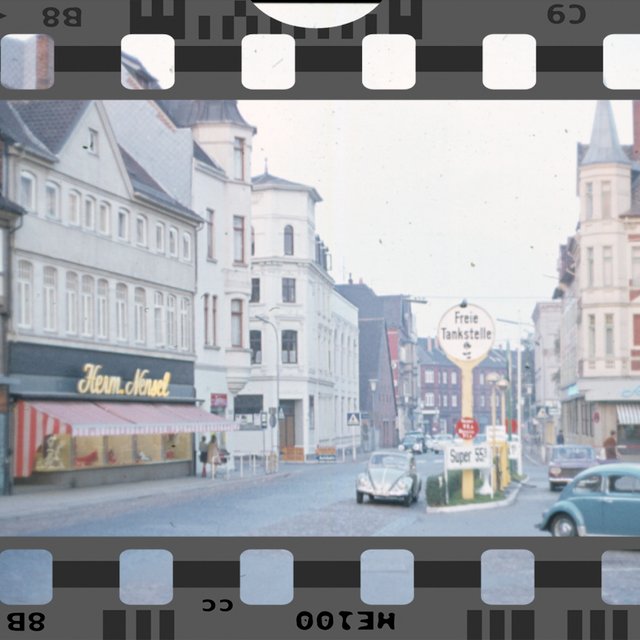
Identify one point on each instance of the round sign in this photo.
(467, 428)
(466, 333)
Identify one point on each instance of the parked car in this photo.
(602, 500)
(389, 475)
(413, 442)
(440, 441)
(566, 461)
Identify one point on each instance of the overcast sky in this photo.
(445, 200)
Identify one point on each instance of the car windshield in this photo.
(572, 453)
(386, 460)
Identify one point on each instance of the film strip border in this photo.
(327, 581)
(447, 47)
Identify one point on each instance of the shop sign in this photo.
(218, 400)
(466, 428)
(466, 333)
(96, 383)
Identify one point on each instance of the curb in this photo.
(513, 494)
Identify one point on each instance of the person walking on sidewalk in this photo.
(213, 455)
(560, 437)
(203, 447)
(610, 444)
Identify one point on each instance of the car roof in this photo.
(613, 468)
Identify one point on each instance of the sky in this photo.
(439, 200)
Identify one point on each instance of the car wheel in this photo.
(359, 497)
(563, 526)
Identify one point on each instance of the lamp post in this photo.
(373, 385)
(492, 379)
(275, 333)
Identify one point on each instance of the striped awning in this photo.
(35, 420)
(628, 413)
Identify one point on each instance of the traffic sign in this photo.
(353, 419)
(467, 428)
(466, 333)
(263, 419)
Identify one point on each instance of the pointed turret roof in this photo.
(267, 181)
(604, 146)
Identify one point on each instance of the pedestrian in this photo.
(203, 447)
(213, 455)
(610, 444)
(560, 437)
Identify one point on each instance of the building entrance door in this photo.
(288, 425)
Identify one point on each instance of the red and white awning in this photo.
(35, 420)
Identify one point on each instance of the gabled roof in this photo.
(51, 121)
(368, 303)
(201, 156)
(604, 146)
(145, 185)
(14, 131)
(267, 181)
(372, 339)
(186, 113)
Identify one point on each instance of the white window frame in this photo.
(28, 196)
(172, 322)
(141, 230)
(102, 309)
(122, 311)
(159, 319)
(75, 206)
(25, 294)
(429, 377)
(50, 299)
(123, 215)
(160, 237)
(87, 306)
(186, 246)
(173, 242)
(93, 142)
(185, 324)
(104, 218)
(72, 285)
(140, 315)
(89, 213)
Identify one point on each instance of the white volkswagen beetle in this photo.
(389, 475)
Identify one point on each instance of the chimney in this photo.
(636, 129)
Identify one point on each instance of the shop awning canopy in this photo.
(37, 419)
(628, 413)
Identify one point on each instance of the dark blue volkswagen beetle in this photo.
(603, 500)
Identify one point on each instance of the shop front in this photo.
(115, 418)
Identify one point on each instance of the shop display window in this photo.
(119, 450)
(177, 446)
(89, 451)
(54, 454)
(148, 448)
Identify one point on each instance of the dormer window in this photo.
(238, 159)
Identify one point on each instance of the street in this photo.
(304, 500)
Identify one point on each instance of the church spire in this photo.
(604, 146)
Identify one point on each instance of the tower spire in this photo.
(604, 146)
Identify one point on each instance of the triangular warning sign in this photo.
(353, 420)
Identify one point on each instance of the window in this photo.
(236, 323)
(454, 400)
(255, 344)
(607, 266)
(428, 376)
(288, 289)
(25, 294)
(104, 218)
(454, 377)
(50, 307)
(102, 324)
(445, 400)
(588, 201)
(140, 315)
(429, 399)
(160, 237)
(172, 334)
(173, 242)
(608, 335)
(211, 234)
(483, 402)
(86, 306)
(74, 208)
(122, 311)
(606, 199)
(141, 231)
(28, 190)
(185, 324)
(92, 142)
(591, 337)
(288, 240)
(289, 347)
(52, 200)
(186, 247)
(72, 302)
(255, 290)
(210, 303)
(238, 159)
(214, 320)
(635, 267)
(238, 239)
(89, 221)
(158, 318)
(253, 241)
(123, 224)
(444, 377)
(481, 378)
(590, 266)
(590, 484)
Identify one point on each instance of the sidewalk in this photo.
(56, 501)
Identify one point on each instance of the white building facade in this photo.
(303, 334)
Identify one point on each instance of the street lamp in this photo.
(266, 320)
(503, 385)
(493, 378)
(373, 385)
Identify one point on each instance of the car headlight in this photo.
(364, 482)
(405, 483)
(555, 471)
